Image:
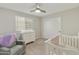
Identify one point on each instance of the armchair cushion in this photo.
(17, 49)
(4, 49)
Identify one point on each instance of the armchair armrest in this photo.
(19, 43)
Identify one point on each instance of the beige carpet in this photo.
(36, 48)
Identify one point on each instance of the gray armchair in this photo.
(17, 49)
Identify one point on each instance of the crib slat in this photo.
(72, 41)
(78, 42)
(67, 40)
(60, 39)
(64, 41)
(75, 42)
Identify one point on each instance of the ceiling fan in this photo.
(37, 9)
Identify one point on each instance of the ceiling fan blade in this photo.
(43, 11)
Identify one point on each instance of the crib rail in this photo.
(70, 43)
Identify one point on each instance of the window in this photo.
(29, 24)
(20, 23)
(23, 23)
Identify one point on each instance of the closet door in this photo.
(51, 26)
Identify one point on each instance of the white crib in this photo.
(63, 44)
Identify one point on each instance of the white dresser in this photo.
(28, 36)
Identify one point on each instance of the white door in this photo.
(51, 26)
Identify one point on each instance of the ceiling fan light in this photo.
(38, 11)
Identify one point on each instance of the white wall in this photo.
(7, 21)
(69, 21)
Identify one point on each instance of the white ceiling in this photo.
(49, 7)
